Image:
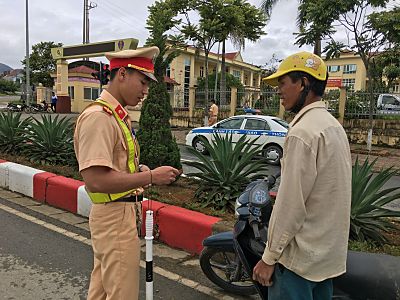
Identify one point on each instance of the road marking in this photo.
(160, 271)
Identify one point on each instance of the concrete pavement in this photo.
(49, 248)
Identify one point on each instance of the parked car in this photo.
(388, 102)
(270, 130)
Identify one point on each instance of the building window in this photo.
(396, 88)
(90, 93)
(349, 69)
(333, 69)
(186, 83)
(71, 92)
(236, 74)
(349, 82)
(168, 71)
(201, 71)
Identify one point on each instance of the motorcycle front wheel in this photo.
(224, 268)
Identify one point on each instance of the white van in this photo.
(388, 102)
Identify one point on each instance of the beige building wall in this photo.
(196, 61)
(344, 62)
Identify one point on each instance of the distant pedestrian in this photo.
(213, 113)
(53, 101)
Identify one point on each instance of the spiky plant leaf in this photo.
(50, 141)
(12, 132)
(227, 170)
(368, 216)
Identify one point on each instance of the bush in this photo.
(228, 170)
(157, 145)
(51, 141)
(12, 132)
(368, 214)
(7, 86)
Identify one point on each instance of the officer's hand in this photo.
(164, 175)
(263, 273)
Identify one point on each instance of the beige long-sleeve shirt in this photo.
(309, 227)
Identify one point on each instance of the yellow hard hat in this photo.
(302, 61)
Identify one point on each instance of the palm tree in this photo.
(302, 21)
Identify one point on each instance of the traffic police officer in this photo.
(108, 157)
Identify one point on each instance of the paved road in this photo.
(42, 257)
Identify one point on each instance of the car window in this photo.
(253, 124)
(389, 100)
(231, 124)
(282, 123)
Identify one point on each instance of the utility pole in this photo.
(27, 71)
(86, 7)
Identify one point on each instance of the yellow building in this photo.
(347, 70)
(189, 65)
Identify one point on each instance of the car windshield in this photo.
(282, 123)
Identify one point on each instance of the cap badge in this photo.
(312, 63)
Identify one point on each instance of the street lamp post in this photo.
(27, 71)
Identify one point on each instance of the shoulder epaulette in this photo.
(107, 110)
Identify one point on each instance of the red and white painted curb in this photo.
(178, 227)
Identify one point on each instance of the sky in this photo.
(61, 21)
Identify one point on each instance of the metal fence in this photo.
(357, 104)
(179, 97)
(200, 98)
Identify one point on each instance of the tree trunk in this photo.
(317, 47)
(223, 77)
(206, 89)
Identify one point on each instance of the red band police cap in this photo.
(138, 63)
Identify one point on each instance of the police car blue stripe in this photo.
(240, 131)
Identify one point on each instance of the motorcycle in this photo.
(228, 258)
(13, 107)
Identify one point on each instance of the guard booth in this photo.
(62, 54)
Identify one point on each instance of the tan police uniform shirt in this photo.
(309, 227)
(214, 110)
(98, 139)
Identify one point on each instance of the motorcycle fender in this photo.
(223, 240)
(240, 225)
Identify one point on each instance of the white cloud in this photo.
(61, 21)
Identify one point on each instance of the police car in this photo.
(270, 130)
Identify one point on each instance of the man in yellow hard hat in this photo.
(108, 155)
(309, 226)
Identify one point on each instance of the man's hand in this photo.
(164, 175)
(263, 273)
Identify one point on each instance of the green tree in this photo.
(41, 63)
(314, 30)
(204, 33)
(231, 81)
(242, 21)
(388, 62)
(158, 146)
(7, 86)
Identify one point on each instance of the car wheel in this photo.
(273, 154)
(199, 146)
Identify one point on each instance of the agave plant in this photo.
(227, 171)
(12, 132)
(368, 214)
(50, 141)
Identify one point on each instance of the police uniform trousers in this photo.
(116, 249)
